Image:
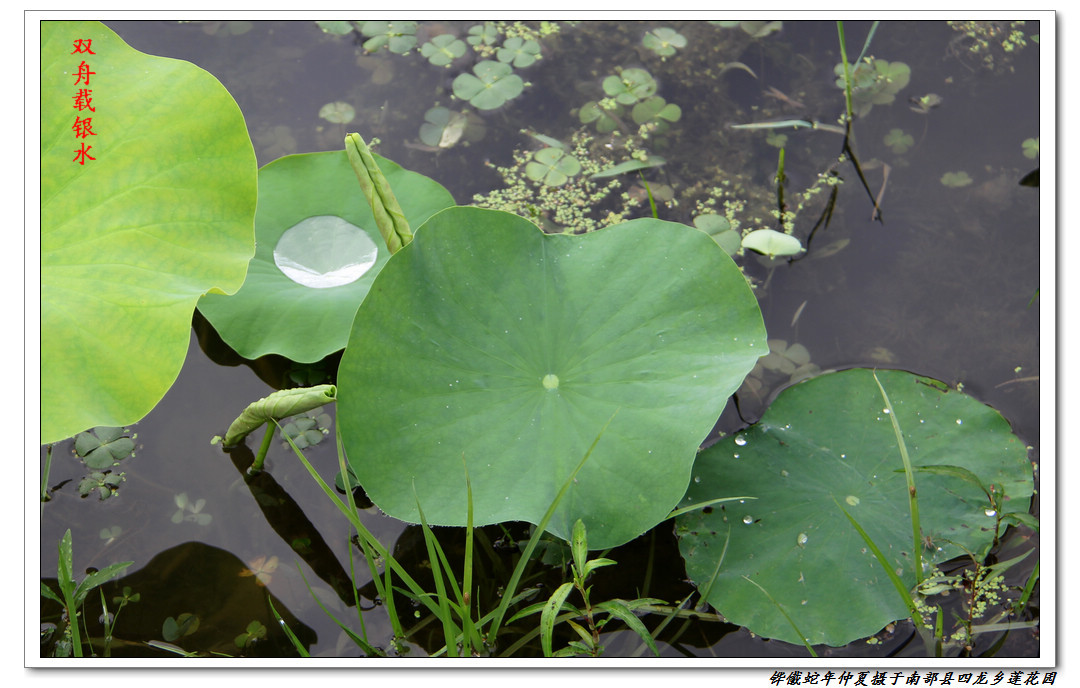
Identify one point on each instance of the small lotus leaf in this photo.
(275, 314)
(612, 329)
(772, 243)
(131, 239)
(828, 443)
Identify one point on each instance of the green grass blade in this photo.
(913, 499)
(288, 631)
(549, 613)
(450, 630)
(695, 507)
(619, 610)
(866, 45)
(361, 642)
(780, 607)
(1029, 587)
(887, 567)
(361, 529)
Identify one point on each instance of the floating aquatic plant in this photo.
(398, 36)
(443, 49)
(102, 448)
(629, 85)
(489, 86)
(657, 112)
(483, 35)
(336, 28)
(874, 82)
(719, 228)
(552, 166)
(606, 115)
(443, 128)
(518, 52)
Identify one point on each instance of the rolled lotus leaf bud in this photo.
(384, 206)
(282, 404)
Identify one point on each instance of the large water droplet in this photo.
(324, 251)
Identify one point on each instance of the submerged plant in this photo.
(186, 510)
(1031, 148)
(664, 41)
(955, 179)
(899, 141)
(338, 112)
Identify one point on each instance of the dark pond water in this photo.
(941, 287)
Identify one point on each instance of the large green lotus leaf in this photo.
(273, 313)
(132, 239)
(829, 441)
(489, 344)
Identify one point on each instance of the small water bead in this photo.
(884, 410)
(802, 539)
(735, 456)
(697, 478)
(959, 422)
(324, 251)
(990, 512)
(747, 519)
(740, 440)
